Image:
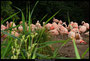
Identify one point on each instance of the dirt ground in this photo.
(68, 49)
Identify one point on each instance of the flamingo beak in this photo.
(51, 28)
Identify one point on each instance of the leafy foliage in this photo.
(7, 10)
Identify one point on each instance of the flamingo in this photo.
(49, 26)
(15, 33)
(76, 36)
(75, 25)
(22, 22)
(33, 27)
(60, 22)
(79, 39)
(3, 27)
(87, 33)
(85, 24)
(75, 30)
(38, 25)
(82, 29)
(12, 24)
(54, 32)
(55, 20)
(62, 30)
(71, 34)
(3, 35)
(20, 28)
(55, 25)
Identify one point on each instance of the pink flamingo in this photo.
(38, 25)
(62, 30)
(82, 29)
(33, 27)
(55, 20)
(75, 30)
(3, 27)
(76, 36)
(60, 22)
(54, 32)
(22, 22)
(20, 28)
(49, 26)
(55, 25)
(75, 25)
(85, 24)
(87, 33)
(15, 33)
(12, 24)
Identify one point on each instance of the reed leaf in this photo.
(83, 55)
(34, 7)
(43, 18)
(10, 35)
(75, 47)
(52, 16)
(9, 17)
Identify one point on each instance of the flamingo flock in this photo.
(73, 30)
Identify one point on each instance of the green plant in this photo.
(7, 10)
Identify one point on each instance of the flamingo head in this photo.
(82, 22)
(20, 22)
(60, 22)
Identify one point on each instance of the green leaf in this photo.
(10, 35)
(9, 17)
(34, 54)
(23, 19)
(5, 51)
(43, 18)
(34, 7)
(29, 22)
(52, 17)
(76, 50)
(85, 52)
(75, 47)
(12, 27)
(68, 17)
